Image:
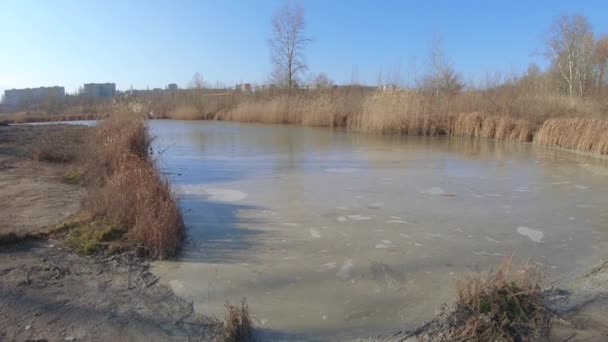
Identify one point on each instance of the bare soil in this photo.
(32, 195)
(48, 293)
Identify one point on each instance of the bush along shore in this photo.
(129, 204)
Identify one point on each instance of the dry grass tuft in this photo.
(492, 127)
(502, 305)
(57, 146)
(399, 112)
(407, 113)
(585, 135)
(275, 110)
(127, 189)
(237, 325)
(185, 113)
(93, 236)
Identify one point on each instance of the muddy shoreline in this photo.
(577, 310)
(49, 293)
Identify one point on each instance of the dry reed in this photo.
(492, 127)
(237, 325)
(61, 145)
(399, 112)
(127, 189)
(585, 135)
(185, 113)
(503, 113)
(502, 305)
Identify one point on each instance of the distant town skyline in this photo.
(153, 43)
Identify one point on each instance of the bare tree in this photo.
(321, 81)
(570, 47)
(287, 45)
(600, 59)
(198, 82)
(443, 79)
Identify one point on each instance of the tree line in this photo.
(578, 60)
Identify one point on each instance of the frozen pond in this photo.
(333, 235)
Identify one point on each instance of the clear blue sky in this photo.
(152, 43)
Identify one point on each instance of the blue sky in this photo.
(152, 43)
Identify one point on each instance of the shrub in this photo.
(57, 146)
(126, 188)
(502, 305)
(237, 326)
(585, 135)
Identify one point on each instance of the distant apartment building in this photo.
(172, 87)
(33, 96)
(99, 90)
(246, 87)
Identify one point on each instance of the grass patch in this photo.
(61, 145)
(73, 177)
(127, 190)
(237, 325)
(502, 305)
(585, 135)
(94, 236)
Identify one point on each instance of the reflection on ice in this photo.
(212, 194)
(534, 235)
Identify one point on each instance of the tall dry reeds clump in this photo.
(541, 107)
(274, 110)
(585, 135)
(295, 109)
(492, 127)
(127, 189)
(319, 110)
(184, 112)
(237, 325)
(399, 112)
(502, 305)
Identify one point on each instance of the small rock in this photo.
(28, 327)
(69, 338)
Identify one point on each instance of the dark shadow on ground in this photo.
(127, 324)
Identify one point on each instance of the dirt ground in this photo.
(48, 293)
(32, 195)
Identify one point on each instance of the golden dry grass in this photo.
(58, 145)
(508, 113)
(128, 191)
(275, 110)
(492, 127)
(70, 114)
(407, 113)
(237, 325)
(502, 305)
(185, 113)
(399, 112)
(585, 135)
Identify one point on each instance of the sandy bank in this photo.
(47, 292)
